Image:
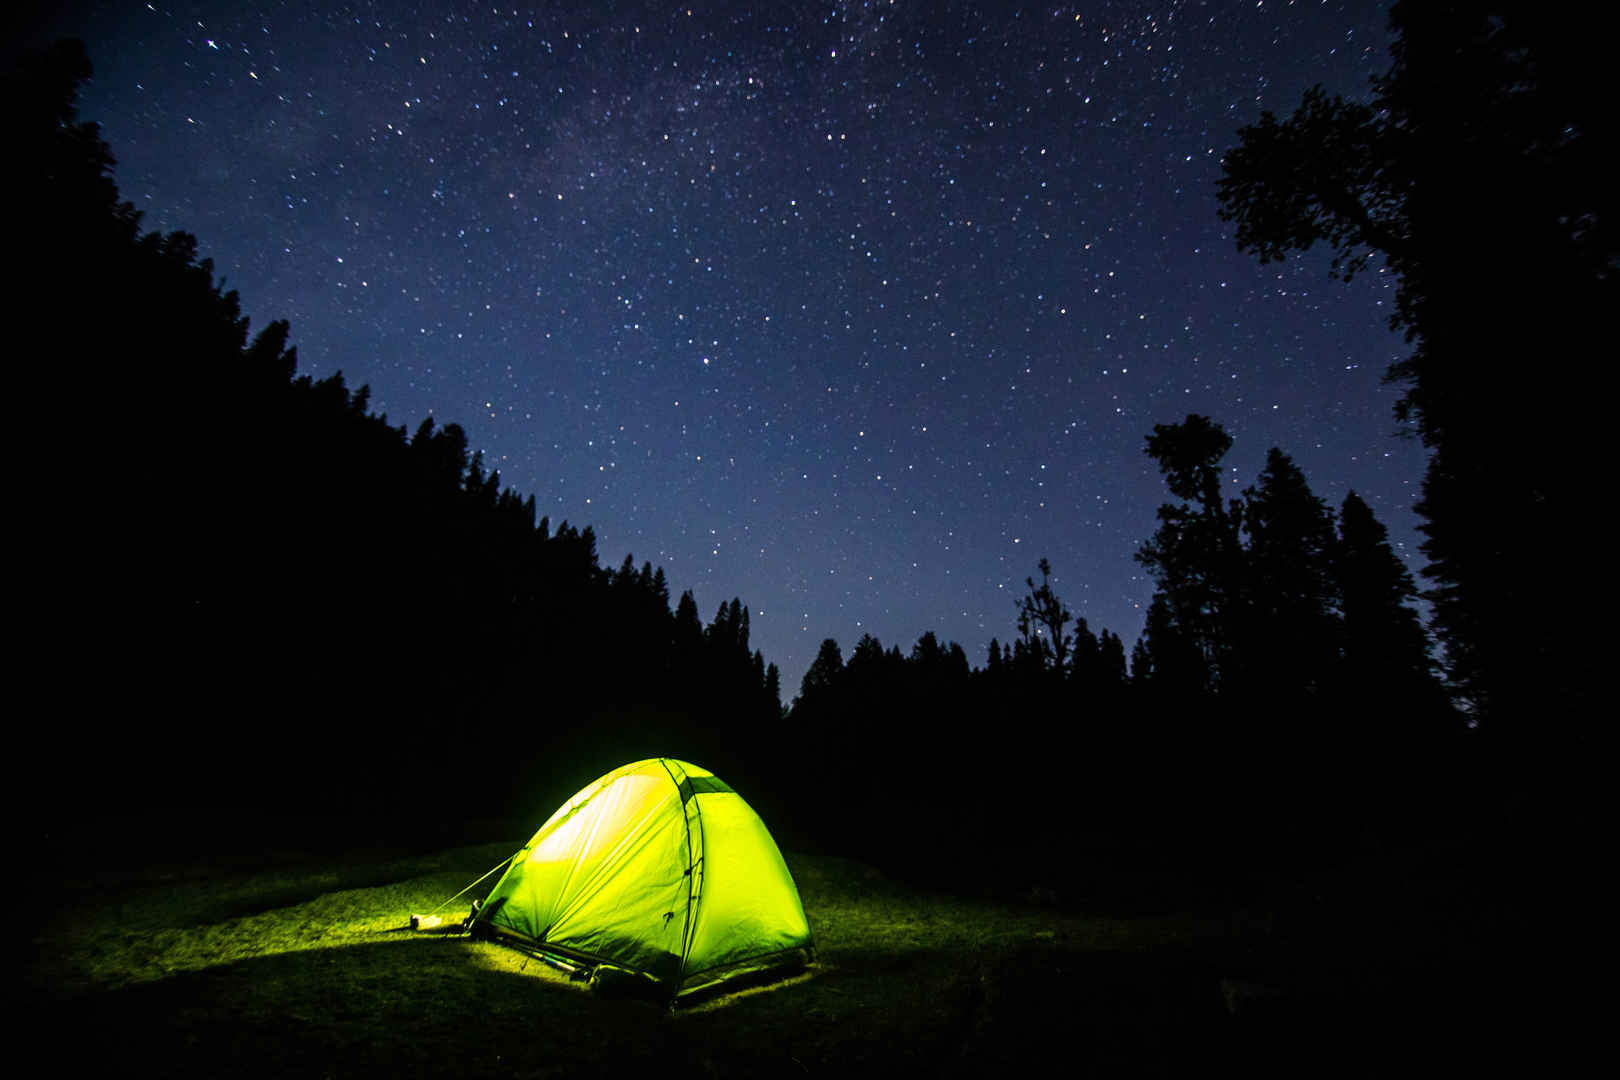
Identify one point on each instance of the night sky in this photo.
(853, 310)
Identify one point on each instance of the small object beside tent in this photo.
(658, 874)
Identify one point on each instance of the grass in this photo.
(304, 965)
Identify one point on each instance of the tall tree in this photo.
(1476, 172)
(1168, 663)
(823, 675)
(1085, 666)
(1111, 660)
(1195, 555)
(1289, 624)
(773, 686)
(1386, 651)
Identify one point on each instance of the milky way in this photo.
(855, 311)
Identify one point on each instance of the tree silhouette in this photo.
(1086, 660)
(1195, 558)
(1042, 619)
(1289, 622)
(688, 629)
(1475, 171)
(1169, 664)
(1386, 663)
(1111, 671)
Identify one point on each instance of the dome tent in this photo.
(659, 872)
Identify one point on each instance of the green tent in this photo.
(658, 872)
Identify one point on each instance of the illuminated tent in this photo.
(658, 874)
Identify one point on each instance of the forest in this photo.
(247, 590)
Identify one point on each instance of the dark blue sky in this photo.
(855, 311)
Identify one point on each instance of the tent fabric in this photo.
(658, 869)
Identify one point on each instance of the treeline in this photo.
(248, 590)
(1282, 701)
(1291, 616)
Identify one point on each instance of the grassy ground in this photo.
(303, 965)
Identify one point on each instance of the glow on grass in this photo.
(732, 997)
(507, 961)
(140, 941)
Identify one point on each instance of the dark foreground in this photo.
(1391, 964)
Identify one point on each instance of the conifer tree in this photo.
(1196, 560)
(823, 675)
(1169, 662)
(1289, 625)
(688, 628)
(1386, 651)
(773, 686)
(1111, 661)
(1085, 664)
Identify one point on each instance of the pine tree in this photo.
(625, 577)
(1289, 625)
(1196, 560)
(1386, 664)
(824, 674)
(1168, 661)
(1111, 661)
(1085, 664)
(688, 627)
(773, 686)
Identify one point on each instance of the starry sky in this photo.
(853, 310)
